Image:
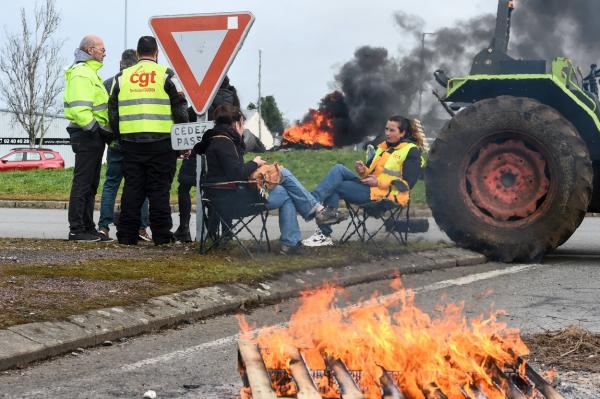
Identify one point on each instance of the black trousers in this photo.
(147, 174)
(184, 199)
(88, 148)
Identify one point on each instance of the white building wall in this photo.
(252, 121)
(12, 135)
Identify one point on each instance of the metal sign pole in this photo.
(201, 229)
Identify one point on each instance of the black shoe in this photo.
(183, 234)
(127, 240)
(83, 237)
(329, 216)
(297, 250)
(102, 233)
(168, 241)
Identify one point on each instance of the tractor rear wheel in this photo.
(509, 177)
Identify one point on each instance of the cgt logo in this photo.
(143, 79)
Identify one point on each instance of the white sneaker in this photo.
(318, 239)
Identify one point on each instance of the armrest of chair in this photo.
(230, 184)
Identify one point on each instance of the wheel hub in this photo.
(507, 180)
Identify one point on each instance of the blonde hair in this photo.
(418, 134)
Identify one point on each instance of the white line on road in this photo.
(187, 352)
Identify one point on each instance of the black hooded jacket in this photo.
(224, 150)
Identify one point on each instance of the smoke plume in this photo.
(546, 29)
(375, 85)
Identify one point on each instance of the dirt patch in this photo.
(27, 299)
(572, 349)
(49, 279)
(52, 252)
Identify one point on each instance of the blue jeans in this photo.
(114, 176)
(341, 183)
(290, 197)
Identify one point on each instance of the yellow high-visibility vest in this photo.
(387, 167)
(144, 105)
(85, 98)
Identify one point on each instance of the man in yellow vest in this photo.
(85, 102)
(389, 174)
(145, 101)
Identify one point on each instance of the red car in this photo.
(31, 158)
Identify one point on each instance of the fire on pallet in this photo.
(314, 132)
(386, 348)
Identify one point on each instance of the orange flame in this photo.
(445, 352)
(316, 131)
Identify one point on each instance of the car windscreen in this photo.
(14, 157)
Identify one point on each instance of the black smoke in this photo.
(376, 84)
(546, 29)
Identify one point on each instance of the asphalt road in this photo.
(52, 224)
(199, 360)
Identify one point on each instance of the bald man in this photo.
(85, 102)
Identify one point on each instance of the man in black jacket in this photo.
(144, 103)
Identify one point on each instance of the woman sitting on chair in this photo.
(224, 150)
(389, 173)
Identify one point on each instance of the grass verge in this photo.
(50, 279)
(309, 166)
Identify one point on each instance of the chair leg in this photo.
(264, 216)
(390, 217)
(355, 223)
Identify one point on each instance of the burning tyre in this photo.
(509, 177)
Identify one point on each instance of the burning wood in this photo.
(372, 352)
(315, 131)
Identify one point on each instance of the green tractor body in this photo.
(512, 173)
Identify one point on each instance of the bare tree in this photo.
(31, 72)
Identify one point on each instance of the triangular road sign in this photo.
(201, 48)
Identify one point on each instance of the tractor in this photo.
(516, 169)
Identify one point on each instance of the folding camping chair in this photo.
(223, 222)
(390, 216)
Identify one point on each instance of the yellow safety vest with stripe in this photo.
(387, 167)
(144, 105)
(85, 98)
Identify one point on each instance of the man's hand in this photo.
(370, 181)
(259, 161)
(106, 136)
(186, 154)
(360, 167)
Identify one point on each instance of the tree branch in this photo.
(30, 70)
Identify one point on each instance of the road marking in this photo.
(187, 352)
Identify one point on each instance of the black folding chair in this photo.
(224, 220)
(389, 214)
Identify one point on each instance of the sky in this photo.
(303, 42)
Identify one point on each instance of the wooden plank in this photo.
(540, 383)
(258, 377)
(348, 388)
(390, 390)
(514, 392)
(305, 383)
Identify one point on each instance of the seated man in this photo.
(389, 174)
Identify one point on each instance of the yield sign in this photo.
(201, 48)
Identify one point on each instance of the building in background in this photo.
(57, 139)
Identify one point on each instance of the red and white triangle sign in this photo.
(201, 48)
